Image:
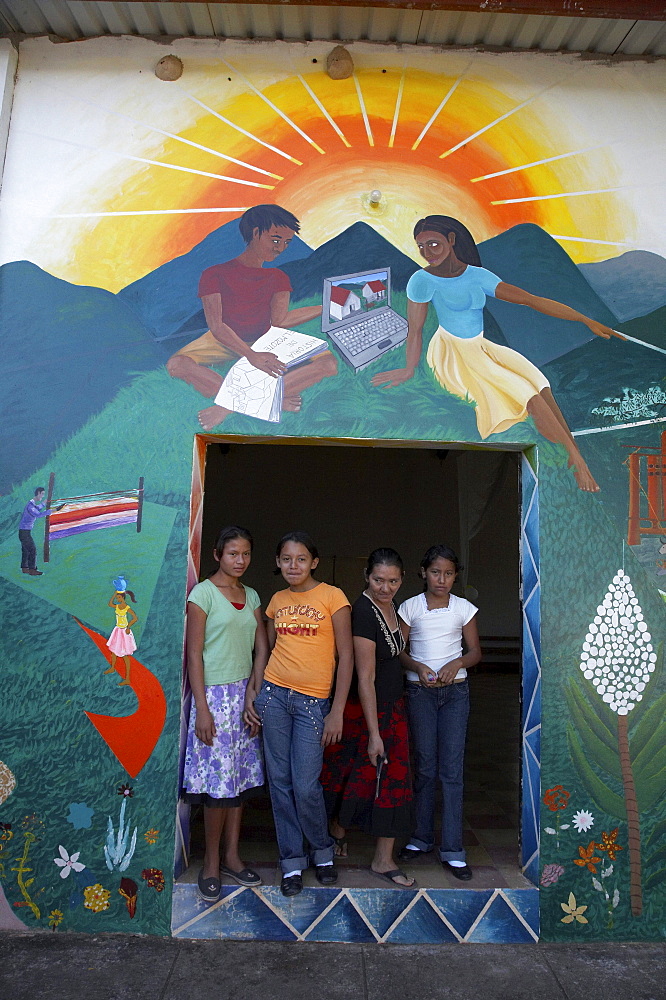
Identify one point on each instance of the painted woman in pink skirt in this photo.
(121, 641)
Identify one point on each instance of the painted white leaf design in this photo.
(617, 655)
(616, 898)
(549, 829)
(565, 826)
(597, 885)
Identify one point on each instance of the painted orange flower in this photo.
(608, 844)
(150, 836)
(587, 858)
(556, 798)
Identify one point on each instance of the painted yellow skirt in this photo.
(499, 380)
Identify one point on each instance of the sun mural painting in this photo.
(489, 145)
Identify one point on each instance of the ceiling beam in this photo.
(640, 10)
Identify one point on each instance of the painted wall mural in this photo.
(449, 246)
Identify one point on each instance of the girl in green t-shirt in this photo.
(223, 760)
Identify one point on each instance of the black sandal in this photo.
(291, 885)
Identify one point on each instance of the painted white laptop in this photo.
(358, 318)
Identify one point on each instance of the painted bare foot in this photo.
(109, 671)
(583, 476)
(212, 416)
(123, 683)
(292, 404)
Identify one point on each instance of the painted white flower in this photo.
(67, 862)
(626, 662)
(583, 820)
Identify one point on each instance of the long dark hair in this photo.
(383, 557)
(229, 534)
(301, 538)
(438, 552)
(465, 248)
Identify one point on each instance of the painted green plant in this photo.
(116, 852)
(623, 767)
(32, 826)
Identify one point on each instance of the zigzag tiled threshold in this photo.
(421, 916)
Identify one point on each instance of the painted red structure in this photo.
(647, 480)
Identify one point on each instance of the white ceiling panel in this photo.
(76, 19)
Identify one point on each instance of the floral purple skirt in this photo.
(234, 764)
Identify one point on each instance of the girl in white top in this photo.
(435, 624)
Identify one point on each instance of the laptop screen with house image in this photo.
(357, 316)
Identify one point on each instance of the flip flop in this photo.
(390, 876)
(341, 845)
(244, 877)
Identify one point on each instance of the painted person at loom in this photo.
(34, 509)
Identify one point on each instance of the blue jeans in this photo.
(293, 724)
(437, 730)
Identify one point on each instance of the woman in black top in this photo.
(358, 793)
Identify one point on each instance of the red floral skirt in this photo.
(349, 778)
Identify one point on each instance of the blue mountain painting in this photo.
(166, 300)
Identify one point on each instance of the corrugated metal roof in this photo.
(75, 19)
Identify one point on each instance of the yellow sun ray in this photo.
(539, 163)
(560, 194)
(587, 239)
(508, 114)
(364, 113)
(398, 102)
(438, 109)
(560, 156)
(179, 138)
(155, 211)
(323, 110)
(274, 107)
(153, 163)
(249, 135)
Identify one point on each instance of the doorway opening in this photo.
(353, 498)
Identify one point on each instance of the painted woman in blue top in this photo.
(505, 386)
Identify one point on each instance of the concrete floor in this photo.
(118, 967)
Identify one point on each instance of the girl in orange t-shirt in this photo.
(309, 627)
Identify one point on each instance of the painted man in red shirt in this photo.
(241, 301)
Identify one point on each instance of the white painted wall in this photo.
(8, 65)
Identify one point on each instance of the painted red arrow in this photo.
(132, 738)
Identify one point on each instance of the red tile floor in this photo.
(492, 784)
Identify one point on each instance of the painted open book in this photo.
(248, 390)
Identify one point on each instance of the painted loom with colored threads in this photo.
(90, 513)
